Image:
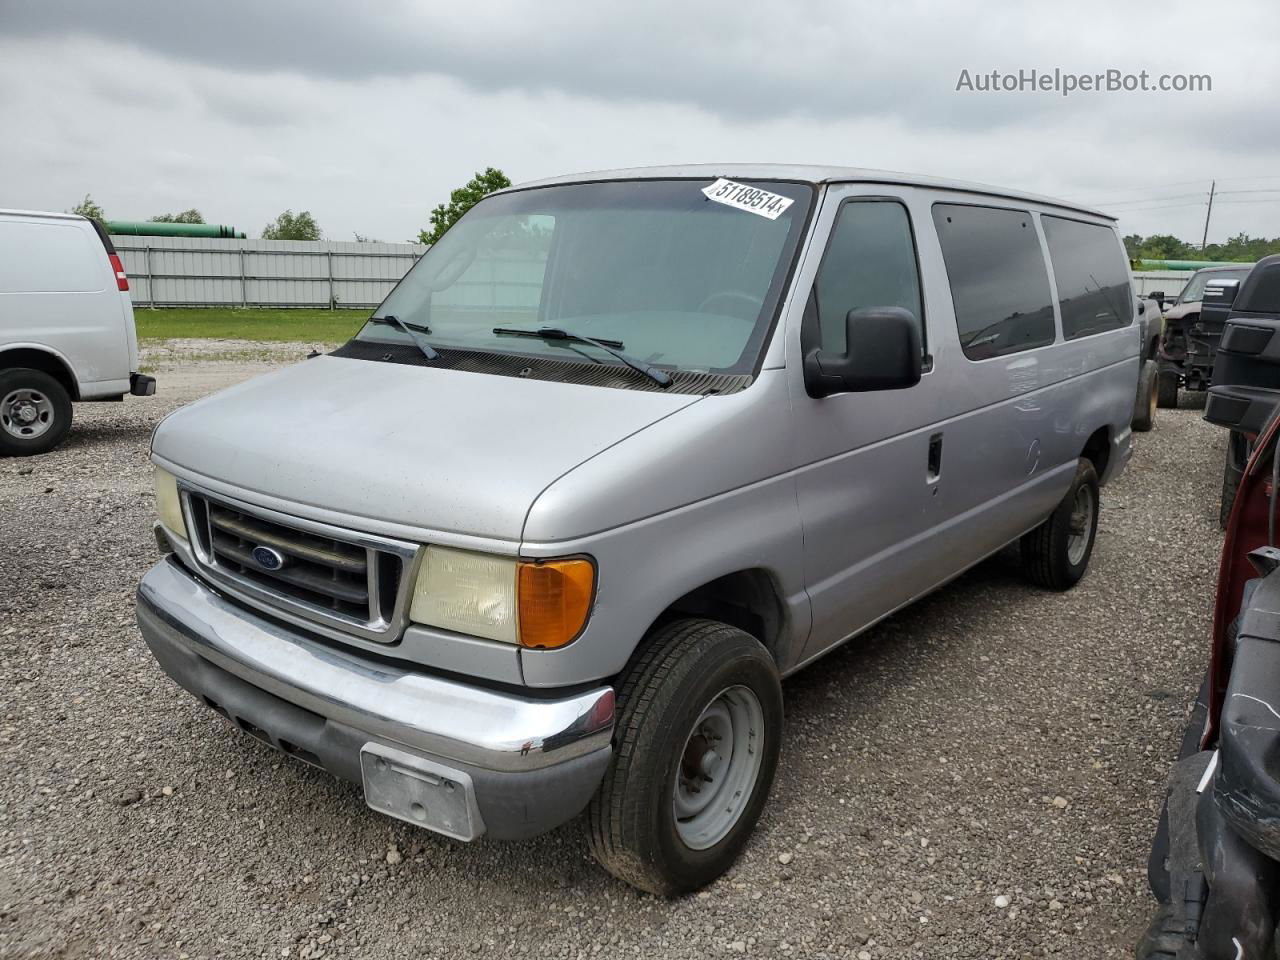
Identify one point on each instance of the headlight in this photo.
(168, 506)
(535, 604)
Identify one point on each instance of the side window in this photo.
(999, 282)
(1093, 278)
(870, 262)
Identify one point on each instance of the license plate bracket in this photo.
(420, 791)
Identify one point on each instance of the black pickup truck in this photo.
(1215, 862)
(1190, 338)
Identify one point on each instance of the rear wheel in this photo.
(1056, 553)
(1232, 473)
(1167, 390)
(695, 751)
(35, 412)
(1144, 409)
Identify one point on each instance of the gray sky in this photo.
(369, 114)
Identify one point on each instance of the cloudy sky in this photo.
(368, 114)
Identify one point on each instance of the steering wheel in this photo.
(732, 298)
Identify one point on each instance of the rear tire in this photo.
(35, 412)
(701, 700)
(1144, 408)
(1056, 553)
(1167, 390)
(1232, 472)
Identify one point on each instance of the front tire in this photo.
(35, 412)
(1144, 409)
(695, 752)
(1056, 553)
(1167, 390)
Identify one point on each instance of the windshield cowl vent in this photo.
(526, 367)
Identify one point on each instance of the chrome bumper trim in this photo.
(440, 717)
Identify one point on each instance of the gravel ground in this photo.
(978, 777)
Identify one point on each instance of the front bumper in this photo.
(497, 762)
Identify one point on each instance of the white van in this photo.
(66, 326)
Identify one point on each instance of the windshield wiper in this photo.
(660, 377)
(409, 331)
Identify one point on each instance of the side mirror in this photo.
(1157, 296)
(882, 352)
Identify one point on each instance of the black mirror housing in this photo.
(882, 352)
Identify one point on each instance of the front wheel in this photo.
(1056, 553)
(695, 751)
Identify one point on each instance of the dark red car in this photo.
(1215, 863)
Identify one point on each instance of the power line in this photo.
(1167, 206)
(1172, 196)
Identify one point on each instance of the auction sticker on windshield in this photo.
(750, 199)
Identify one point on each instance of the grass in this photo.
(248, 323)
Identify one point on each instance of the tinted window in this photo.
(870, 262)
(999, 283)
(1093, 278)
(1261, 294)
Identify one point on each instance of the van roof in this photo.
(40, 213)
(808, 173)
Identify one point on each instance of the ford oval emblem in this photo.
(267, 558)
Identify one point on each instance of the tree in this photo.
(186, 216)
(1241, 248)
(461, 200)
(292, 226)
(88, 208)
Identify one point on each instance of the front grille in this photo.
(301, 566)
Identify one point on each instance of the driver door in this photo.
(874, 462)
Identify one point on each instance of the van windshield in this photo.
(676, 278)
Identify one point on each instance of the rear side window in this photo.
(1093, 278)
(870, 262)
(999, 282)
(42, 257)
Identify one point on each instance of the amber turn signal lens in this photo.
(555, 598)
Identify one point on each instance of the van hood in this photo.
(438, 450)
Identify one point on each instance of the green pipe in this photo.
(148, 228)
(1189, 265)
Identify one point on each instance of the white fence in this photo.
(1168, 282)
(182, 272)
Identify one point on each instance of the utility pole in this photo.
(1213, 185)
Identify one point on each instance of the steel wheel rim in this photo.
(1081, 525)
(26, 414)
(718, 767)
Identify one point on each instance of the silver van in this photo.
(621, 452)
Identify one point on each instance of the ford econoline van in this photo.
(66, 327)
(620, 453)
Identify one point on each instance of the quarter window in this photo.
(870, 262)
(999, 282)
(1093, 280)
